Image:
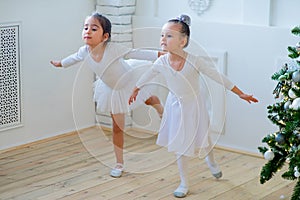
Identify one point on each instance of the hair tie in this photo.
(185, 19)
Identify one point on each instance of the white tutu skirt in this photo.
(114, 101)
(184, 127)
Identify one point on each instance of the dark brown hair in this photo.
(185, 22)
(104, 22)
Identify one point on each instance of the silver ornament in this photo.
(269, 155)
(292, 94)
(296, 76)
(280, 139)
(296, 104)
(287, 105)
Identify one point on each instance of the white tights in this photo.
(210, 159)
(182, 162)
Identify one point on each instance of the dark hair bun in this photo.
(185, 19)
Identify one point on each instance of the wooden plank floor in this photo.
(76, 166)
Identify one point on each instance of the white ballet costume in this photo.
(185, 123)
(116, 79)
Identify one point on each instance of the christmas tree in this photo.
(283, 146)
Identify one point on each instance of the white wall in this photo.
(253, 40)
(52, 29)
(282, 13)
(49, 30)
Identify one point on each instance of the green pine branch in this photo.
(282, 71)
(262, 150)
(296, 192)
(293, 52)
(289, 175)
(270, 168)
(296, 30)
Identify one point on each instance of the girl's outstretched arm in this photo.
(72, 59)
(246, 97)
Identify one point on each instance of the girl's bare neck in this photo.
(99, 47)
(177, 56)
(177, 60)
(97, 52)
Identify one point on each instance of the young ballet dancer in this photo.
(116, 82)
(185, 123)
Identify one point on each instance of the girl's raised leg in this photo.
(156, 104)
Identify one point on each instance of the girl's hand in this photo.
(248, 98)
(56, 63)
(132, 98)
(242, 95)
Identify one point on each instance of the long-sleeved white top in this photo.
(112, 68)
(185, 81)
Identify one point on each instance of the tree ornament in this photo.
(296, 76)
(296, 169)
(294, 148)
(297, 134)
(287, 105)
(269, 155)
(292, 94)
(296, 104)
(297, 174)
(280, 138)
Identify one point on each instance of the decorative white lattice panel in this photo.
(10, 91)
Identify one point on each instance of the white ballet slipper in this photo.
(214, 169)
(117, 171)
(181, 192)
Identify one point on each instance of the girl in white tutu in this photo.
(185, 123)
(116, 80)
